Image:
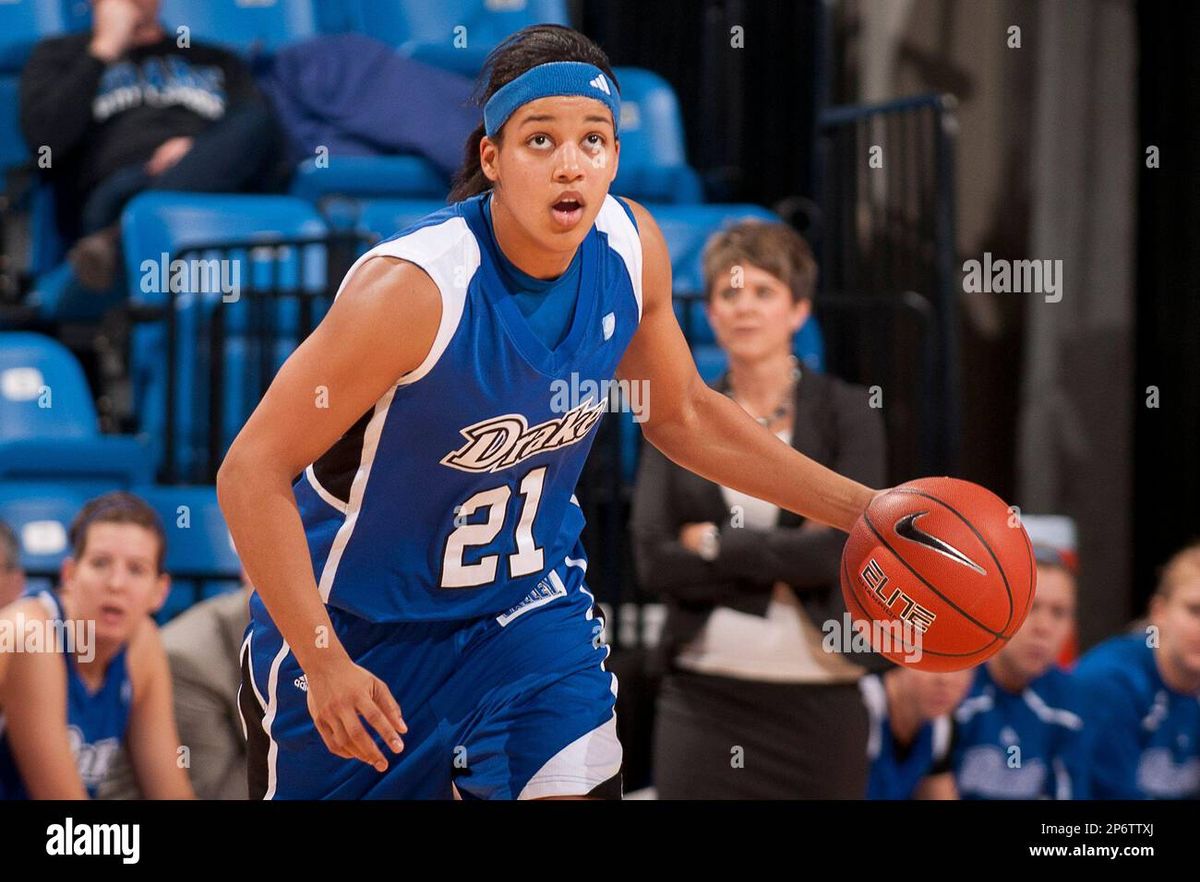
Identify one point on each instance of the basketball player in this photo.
(911, 732)
(90, 671)
(427, 556)
(1143, 696)
(1020, 732)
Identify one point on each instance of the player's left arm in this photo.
(152, 739)
(706, 432)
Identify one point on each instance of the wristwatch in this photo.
(710, 543)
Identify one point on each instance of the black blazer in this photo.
(832, 425)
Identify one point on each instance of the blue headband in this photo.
(554, 78)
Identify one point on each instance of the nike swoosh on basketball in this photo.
(906, 528)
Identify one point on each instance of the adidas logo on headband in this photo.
(601, 84)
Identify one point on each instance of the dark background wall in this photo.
(748, 112)
(1167, 439)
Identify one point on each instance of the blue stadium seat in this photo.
(155, 224)
(426, 31)
(711, 361)
(40, 515)
(200, 556)
(24, 22)
(391, 177)
(48, 426)
(687, 227)
(248, 27)
(198, 541)
(653, 165)
(384, 217)
(13, 151)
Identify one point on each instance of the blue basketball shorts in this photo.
(510, 706)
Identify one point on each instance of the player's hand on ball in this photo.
(338, 695)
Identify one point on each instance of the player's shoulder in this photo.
(438, 252)
(1056, 694)
(643, 221)
(437, 231)
(1120, 663)
(27, 619)
(1115, 652)
(36, 607)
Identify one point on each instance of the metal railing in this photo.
(886, 190)
(202, 323)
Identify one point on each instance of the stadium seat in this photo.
(13, 151)
(200, 555)
(392, 177)
(711, 361)
(385, 217)
(48, 425)
(687, 227)
(653, 166)
(428, 31)
(261, 26)
(24, 22)
(157, 224)
(40, 515)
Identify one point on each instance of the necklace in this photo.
(786, 404)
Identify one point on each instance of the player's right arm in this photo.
(381, 326)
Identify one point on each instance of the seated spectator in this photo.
(749, 587)
(91, 671)
(12, 577)
(1020, 731)
(912, 733)
(203, 646)
(1143, 696)
(128, 107)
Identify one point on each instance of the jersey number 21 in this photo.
(525, 561)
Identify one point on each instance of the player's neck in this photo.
(760, 382)
(523, 252)
(1005, 677)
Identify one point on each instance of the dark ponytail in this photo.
(527, 48)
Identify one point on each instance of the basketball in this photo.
(941, 571)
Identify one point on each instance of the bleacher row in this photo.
(52, 456)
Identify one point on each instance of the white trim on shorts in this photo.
(592, 758)
(272, 706)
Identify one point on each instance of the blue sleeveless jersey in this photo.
(453, 497)
(1028, 745)
(895, 770)
(1145, 738)
(96, 721)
